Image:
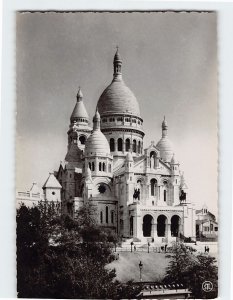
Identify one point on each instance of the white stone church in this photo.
(138, 192)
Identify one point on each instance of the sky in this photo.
(169, 62)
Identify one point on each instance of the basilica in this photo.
(137, 191)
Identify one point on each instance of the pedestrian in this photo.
(205, 249)
(135, 248)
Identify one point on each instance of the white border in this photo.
(225, 52)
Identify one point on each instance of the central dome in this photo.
(117, 98)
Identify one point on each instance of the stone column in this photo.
(155, 234)
(168, 230)
(123, 144)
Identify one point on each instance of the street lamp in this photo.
(140, 268)
(131, 246)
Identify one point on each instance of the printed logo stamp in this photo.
(207, 286)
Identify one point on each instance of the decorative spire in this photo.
(79, 94)
(96, 120)
(183, 184)
(164, 127)
(173, 160)
(117, 63)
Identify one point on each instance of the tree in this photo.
(192, 270)
(60, 257)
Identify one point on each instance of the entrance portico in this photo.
(159, 225)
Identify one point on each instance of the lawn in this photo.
(154, 266)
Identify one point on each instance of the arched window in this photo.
(82, 139)
(165, 195)
(134, 146)
(93, 166)
(152, 159)
(153, 184)
(104, 167)
(107, 214)
(89, 165)
(112, 217)
(139, 147)
(109, 168)
(112, 145)
(101, 217)
(127, 145)
(119, 146)
(100, 166)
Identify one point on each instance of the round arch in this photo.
(148, 221)
(175, 225)
(162, 221)
(82, 139)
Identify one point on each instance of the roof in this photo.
(52, 182)
(118, 98)
(79, 109)
(97, 144)
(34, 189)
(165, 148)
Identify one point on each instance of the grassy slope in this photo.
(154, 265)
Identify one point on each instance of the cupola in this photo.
(165, 146)
(117, 97)
(97, 143)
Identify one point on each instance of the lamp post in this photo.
(131, 246)
(140, 268)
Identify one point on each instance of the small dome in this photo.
(165, 148)
(97, 143)
(118, 98)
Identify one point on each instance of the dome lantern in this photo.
(164, 128)
(117, 64)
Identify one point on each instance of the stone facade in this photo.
(138, 193)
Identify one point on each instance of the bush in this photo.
(58, 257)
(192, 270)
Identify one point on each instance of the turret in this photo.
(183, 189)
(164, 145)
(97, 151)
(52, 189)
(79, 124)
(174, 166)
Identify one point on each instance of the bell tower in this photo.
(79, 124)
